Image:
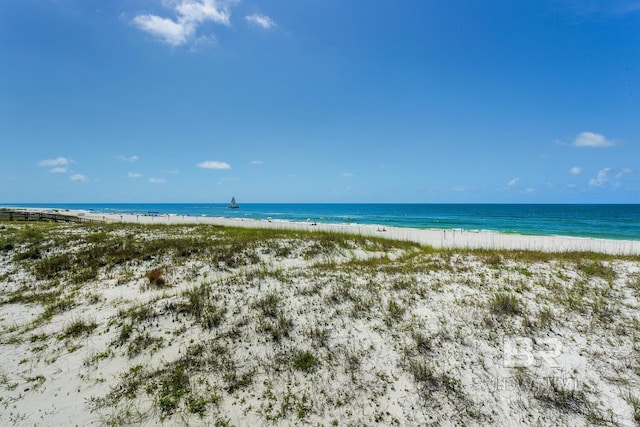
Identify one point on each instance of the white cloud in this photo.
(156, 181)
(602, 179)
(168, 31)
(513, 182)
(214, 164)
(576, 170)
(59, 161)
(204, 10)
(623, 172)
(257, 162)
(134, 175)
(590, 139)
(130, 159)
(78, 177)
(347, 174)
(58, 170)
(605, 178)
(189, 15)
(261, 21)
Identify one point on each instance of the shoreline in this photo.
(437, 238)
(200, 324)
(615, 222)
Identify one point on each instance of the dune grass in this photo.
(255, 319)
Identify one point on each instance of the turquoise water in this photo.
(604, 221)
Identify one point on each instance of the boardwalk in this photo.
(25, 215)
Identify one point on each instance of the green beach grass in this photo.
(202, 324)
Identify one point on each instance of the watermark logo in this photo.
(523, 352)
(533, 384)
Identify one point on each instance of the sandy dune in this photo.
(120, 324)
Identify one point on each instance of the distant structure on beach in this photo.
(233, 203)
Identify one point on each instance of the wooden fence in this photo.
(22, 215)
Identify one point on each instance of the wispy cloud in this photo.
(214, 164)
(78, 177)
(57, 165)
(261, 21)
(513, 182)
(129, 159)
(602, 179)
(189, 15)
(591, 139)
(58, 161)
(623, 172)
(608, 178)
(576, 170)
(257, 162)
(134, 175)
(347, 174)
(157, 181)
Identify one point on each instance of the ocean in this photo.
(600, 221)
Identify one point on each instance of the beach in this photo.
(178, 320)
(432, 237)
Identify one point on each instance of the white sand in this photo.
(432, 237)
(364, 375)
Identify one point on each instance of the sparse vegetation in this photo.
(395, 311)
(290, 327)
(304, 361)
(562, 393)
(596, 269)
(156, 278)
(634, 403)
(268, 305)
(78, 328)
(505, 304)
(545, 317)
(429, 381)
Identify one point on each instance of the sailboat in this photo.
(233, 203)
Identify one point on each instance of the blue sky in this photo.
(532, 101)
